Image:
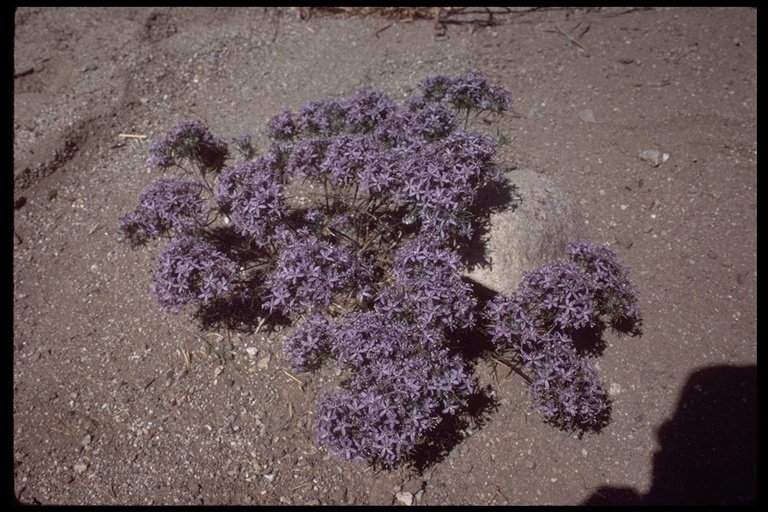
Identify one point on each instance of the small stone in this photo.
(263, 363)
(80, 467)
(405, 498)
(624, 241)
(587, 115)
(86, 440)
(584, 452)
(654, 157)
(530, 464)
(252, 351)
(270, 477)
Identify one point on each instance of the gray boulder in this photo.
(530, 229)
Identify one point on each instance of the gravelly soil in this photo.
(117, 403)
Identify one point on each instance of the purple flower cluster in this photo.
(309, 345)
(441, 181)
(346, 157)
(397, 391)
(320, 118)
(428, 287)
(609, 283)
(366, 110)
(282, 127)
(537, 324)
(191, 141)
(191, 272)
(415, 158)
(310, 273)
(168, 205)
(251, 194)
(468, 92)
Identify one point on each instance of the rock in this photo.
(587, 115)
(533, 229)
(624, 241)
(405, 498)
(654, 157)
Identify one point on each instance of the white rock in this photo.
(406, 498)
(654, 157)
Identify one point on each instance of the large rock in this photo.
(532, 228)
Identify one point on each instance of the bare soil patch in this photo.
(117, 403)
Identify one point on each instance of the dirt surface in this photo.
(117, 403)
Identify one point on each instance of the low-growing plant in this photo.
(351, 226)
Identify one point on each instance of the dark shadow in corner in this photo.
(708, 449)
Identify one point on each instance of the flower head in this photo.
(191, 272)
(189, 140)
(168, 205)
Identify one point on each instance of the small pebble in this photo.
(587, 116)
(654, 157)
(404, 497)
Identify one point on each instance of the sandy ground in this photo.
(117, 403)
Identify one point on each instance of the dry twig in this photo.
(558, 30)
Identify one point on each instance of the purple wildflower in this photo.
(191, 272)
(252, 195)
(168, 205)
(189, 140)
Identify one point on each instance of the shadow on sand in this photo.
(708, 449)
